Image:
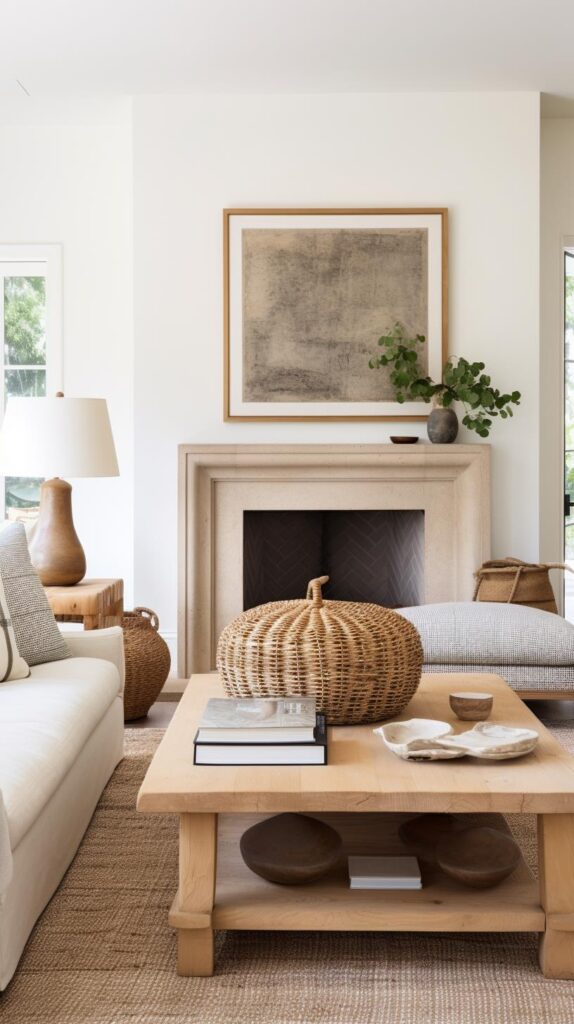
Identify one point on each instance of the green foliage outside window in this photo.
(24, 346)
(25, 321)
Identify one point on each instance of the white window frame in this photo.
(46, 260)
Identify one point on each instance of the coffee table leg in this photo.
(197, 865)
(556, 866)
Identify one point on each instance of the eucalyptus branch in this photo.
(462, 381)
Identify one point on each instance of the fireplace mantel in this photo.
(217, 483)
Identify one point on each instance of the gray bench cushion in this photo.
(534, 678)
(464, 634)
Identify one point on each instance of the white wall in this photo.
(66, 177)
(557, 229)
(477, 154)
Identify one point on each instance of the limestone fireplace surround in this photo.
(217, 483)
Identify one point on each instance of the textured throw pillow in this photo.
(12, 665)
(37, 635)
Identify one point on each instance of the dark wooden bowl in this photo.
(478, 857)
(404, 439)
(290, 849)
(426, 830)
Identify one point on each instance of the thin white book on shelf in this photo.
(258, 720)
(384, 872)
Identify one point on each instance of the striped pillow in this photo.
(35, 628)
(12, 665)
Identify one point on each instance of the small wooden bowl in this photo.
(404, 439)
(471, 707)
(478, 857)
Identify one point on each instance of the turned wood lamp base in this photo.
(55, 549)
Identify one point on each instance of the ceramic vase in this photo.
(442, 425)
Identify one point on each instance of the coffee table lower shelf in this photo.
(242, 900)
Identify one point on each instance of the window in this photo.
(569, 430)
(31, 354)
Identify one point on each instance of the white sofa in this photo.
(61, 736)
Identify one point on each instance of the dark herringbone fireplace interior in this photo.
(369, 555)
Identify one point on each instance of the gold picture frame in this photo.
(268, 251)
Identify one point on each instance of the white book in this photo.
(258, 720)
(239, 753)
(384, 872)
(378, 883)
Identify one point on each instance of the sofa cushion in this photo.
(6, 862)
(484, 633)
(45, 721)
(12, 664)
(36, 630)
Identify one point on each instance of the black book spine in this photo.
(321, 728)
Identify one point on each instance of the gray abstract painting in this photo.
(315, 301)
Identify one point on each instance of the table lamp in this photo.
(49, 436)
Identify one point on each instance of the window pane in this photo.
(25, 383)
(22, 493)
(569, 405)
(569, 545)
(569, 475)
(25, 320)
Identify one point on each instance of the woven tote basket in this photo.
(511, 581)
(361, 662)
(147, 661)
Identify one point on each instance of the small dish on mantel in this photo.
(403, 439)
(427, 739)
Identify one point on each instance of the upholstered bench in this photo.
(532, 649)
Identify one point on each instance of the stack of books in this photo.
(384, 873)
(261, 730)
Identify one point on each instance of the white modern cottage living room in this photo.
(286, 540)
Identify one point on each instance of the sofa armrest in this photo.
(107, 644)
(5, 851)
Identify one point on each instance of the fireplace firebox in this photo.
(369, 555)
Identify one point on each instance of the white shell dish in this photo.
(426, 739)
(418, 739)
(495, 742)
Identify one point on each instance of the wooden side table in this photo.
(96, 603)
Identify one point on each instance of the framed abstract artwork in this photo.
(308, 293)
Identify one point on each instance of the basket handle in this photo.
(514, 587)
(147, 613)
(314, 590)
(503, 565)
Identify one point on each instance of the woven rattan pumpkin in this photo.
(361, 662)
(147, 661)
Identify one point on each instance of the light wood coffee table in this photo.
(365, 791)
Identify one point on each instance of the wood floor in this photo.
(159, 716)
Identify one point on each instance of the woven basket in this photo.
(361, 662)
(511, 581)
(147, 661)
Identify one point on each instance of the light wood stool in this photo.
(96, 603)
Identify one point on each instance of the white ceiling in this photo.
(108, 47)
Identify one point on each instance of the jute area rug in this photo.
(102, 952)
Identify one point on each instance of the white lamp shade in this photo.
(64, 437)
